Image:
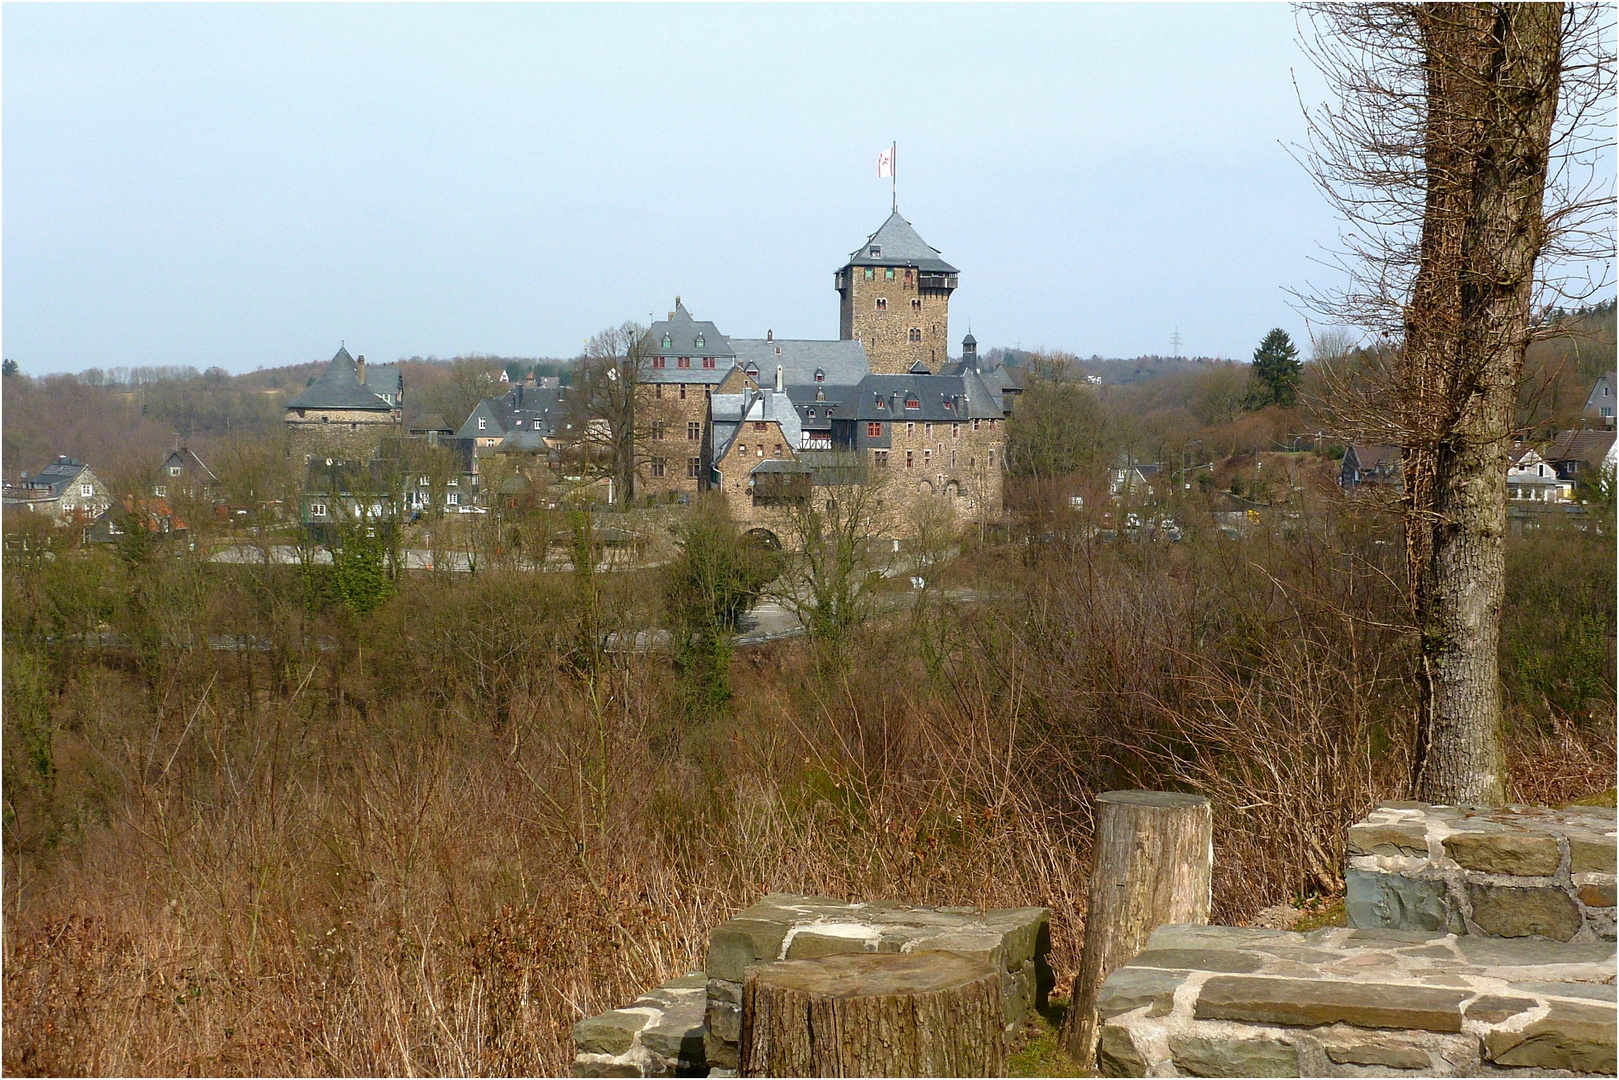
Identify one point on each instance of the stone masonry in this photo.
(693, 1025)
(1225, 1001)
(660, 1034)
(1522, 871)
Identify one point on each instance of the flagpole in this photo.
(893, 170)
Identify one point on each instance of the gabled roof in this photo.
(897, 244)
(431, 422)
(524, 415)
(339, 387)
(56, 476)
(839, 363)
(1587, 446)
(938, 398)
(1374, 455)
(187, 459)
(690, 338)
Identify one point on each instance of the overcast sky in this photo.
(249, 185)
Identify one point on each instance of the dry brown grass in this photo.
(434, 845)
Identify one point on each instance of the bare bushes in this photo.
(1261, 672)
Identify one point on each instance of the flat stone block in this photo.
(1312, 1003)
(1389, 838)
(723, 1020)
(736, 944)
(807, 944)
(608, 1033)
(605, 1068)
(1505, 853)
(1393, 901)
(1131, 987)
(1587, 990)
(1509, 912)
(1201, 1056)
(1593, 854)
(1025, 932)
(1383, 935)
(1599, 895)
(1572, 1036)
(1529, 952)
(1203, 936)
(682, 1043)
(1388, 1054)
(1116, 1053)
(1493, 1008)
(1201, 960)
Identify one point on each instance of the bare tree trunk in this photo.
(1492, 86)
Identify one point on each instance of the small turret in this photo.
(969, 352)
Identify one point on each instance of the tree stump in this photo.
(874, 1014)
(1151, 863)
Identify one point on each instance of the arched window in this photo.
(916, 334)
(882, 303)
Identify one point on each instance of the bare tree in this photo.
(603, 440)
(1461, 154)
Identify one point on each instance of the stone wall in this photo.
(660, 1034)
(1523, 871)
(1224, 1001)
(886, 331)
(693, 1025)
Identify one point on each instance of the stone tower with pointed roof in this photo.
(346, 410)
(895, 292)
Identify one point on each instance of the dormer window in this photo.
(668, 343)
(699, 341)
(876, 251)
(912, 401)
(882, 402)
(820, 376)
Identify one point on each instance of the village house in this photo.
(347, 409)
(183, 475)
(1579, 455)
(66, 489)
(1376, 464)
(154, 514)
(1599, 404)
(1531, 478)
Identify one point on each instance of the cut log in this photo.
(874, 1014)
(1152, 863)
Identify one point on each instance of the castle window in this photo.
(812, 412)
(657, 467)
(667, 342)
(684, 361)
(682, 391)
(874, 429)
(910, 459)
(876, 251)
(912, 401)
(778, 450)
(975, 425)
(882, 402)
(759, 425)
(699, 341)
(657, 389)
(910, 429)
(657, 429)
(658, 362)
(708, 362)
(692, 465)
(888, 273)
(882, 303)
(694, 430)
(916, 333)
(879, 458)
(992, 458)
(927, 458)
(820, 376)
(870, 273)
(916, 303)
(907, 277)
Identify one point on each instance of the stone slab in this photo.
(1572, 1036)
(1205, 1056)
(1505, 853)
(610, 1032)
(1135, 987)
(1309, 1003)
(1511, 912)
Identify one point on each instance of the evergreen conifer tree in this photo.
(1275, 372)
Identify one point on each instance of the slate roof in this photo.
(48, 483)
(431, 422)
(732, 413)
(692, 338)
(339, 387)
(186, 458)
(840, 363)
(524, 417)
(897, 244)
(937, 398)
(1369, 456)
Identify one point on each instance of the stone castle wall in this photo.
(885, 332)
(661, 403)
(345, 433)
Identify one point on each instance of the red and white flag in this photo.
(885, 163)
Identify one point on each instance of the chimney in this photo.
(770, 335)
(359, 369)
(778, 378)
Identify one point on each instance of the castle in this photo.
(766, 420)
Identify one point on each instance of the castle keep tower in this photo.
(895, 293)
